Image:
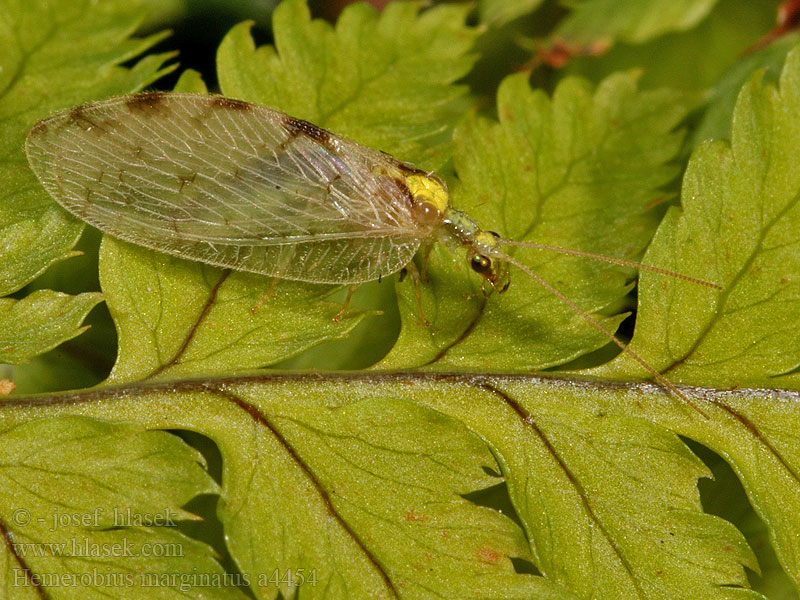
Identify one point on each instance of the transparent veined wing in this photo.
(229, 183)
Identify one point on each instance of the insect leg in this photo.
(265, 296)
(350, 291)
(416, 280)
(425, 254)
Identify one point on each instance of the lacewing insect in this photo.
(250, 188)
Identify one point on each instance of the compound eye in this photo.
(481, 264)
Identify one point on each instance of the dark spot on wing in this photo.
(77, 112)
(145, 101)
(77, 116)
(297, 127)
(185, 179)
(404, 167)
(230, 103)
(39, 128)
(330, 182)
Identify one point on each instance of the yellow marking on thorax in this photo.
(428, 189)
(486, 239)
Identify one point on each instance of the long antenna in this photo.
(610, 259)
(599, 327)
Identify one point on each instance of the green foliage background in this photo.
(413, 460)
